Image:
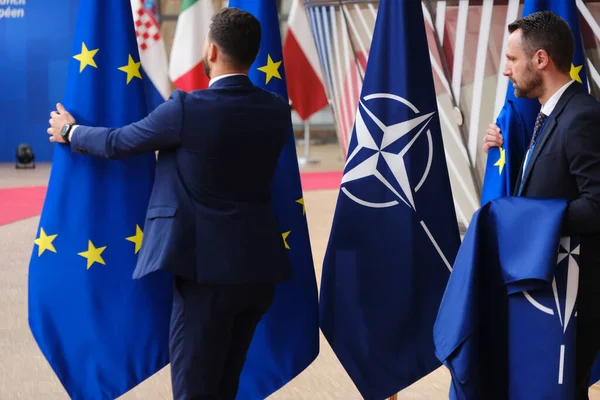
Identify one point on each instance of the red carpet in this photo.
(321, 180)
(25, 202)
(20, 203)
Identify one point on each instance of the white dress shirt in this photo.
(553, 100)
(216, 78)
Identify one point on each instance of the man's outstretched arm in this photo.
(161, 129)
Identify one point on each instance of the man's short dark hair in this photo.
(544, 30)
(237, 34)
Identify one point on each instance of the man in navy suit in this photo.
(209, 221)
(563, 159)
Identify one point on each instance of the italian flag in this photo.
(186, 69)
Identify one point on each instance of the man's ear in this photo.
(212, 52)
(541, 59)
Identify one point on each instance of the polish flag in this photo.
(304, 78)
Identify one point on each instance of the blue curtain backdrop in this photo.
(35, 50)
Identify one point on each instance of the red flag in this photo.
(304, 78)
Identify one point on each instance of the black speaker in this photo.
(25, 156)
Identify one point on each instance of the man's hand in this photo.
(58, 119)
(493, 138)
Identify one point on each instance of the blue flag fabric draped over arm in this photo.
(101, 331)
(286, 341)
(394, 234)
(517, 117)
(508, 311)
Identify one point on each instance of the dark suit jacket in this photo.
(565, 164)
(210, 217)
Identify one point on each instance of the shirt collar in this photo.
(553, 100)
(218, 78)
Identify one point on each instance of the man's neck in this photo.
(552, 87)
(216, 72)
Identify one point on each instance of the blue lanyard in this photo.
(529, 155)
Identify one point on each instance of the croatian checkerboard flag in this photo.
(152, 50)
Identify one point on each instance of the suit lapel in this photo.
(547, 131)
(519, 179)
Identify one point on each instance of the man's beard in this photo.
(531, 84)
(206, 67)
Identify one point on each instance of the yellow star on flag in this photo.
(301, 201)
(284, 235)
(93, 254)
(44, 242)
(132, 69)
(575, 73)
(86, 57)
(501, 161)
(137, 239)
(271, 69)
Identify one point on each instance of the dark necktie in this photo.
(539, 121)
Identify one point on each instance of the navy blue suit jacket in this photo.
(565, 164)
(210, 217)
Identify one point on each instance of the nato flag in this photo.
(394, 235)
(101, 331)
(505, 326)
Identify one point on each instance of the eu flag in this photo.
(503, 163)
(394, 235)
(517, 117)
(286, 341)
(505, 325)
(101, 331)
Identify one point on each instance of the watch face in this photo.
(64, 129)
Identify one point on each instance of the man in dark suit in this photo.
(563, 158)
(209, 220)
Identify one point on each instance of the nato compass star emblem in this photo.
(567, 284)
(380, 152)
(371, 149)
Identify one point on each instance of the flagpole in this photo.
(306, 141)
(306, 159)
